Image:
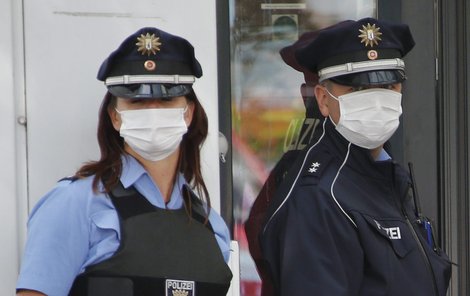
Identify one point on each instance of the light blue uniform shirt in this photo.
(72, 227)
(383, 156)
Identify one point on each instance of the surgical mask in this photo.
(369, 117)
(153, 133)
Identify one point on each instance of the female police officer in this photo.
(129, 224)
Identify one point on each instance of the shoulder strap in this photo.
(129, 203)
(197, 208)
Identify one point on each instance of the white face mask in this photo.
(369, 117)
(153, 133)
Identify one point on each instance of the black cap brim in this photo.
(149, 90)
(380, 77)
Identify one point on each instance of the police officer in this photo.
(343, 222)
(130, 223)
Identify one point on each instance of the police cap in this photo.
(355, 53)
(151, 63)
(288, 56)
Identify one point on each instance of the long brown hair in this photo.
(108, 169)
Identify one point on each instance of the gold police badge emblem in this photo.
(148, 44)
(370, 35)
(180, 293)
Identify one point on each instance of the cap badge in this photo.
(370, 35)
(148, 44)
(150, 65)
(372, 54)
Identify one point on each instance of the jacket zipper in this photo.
(421, 248)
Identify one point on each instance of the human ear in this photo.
(322, 99)
(188, 115)
(115, 118)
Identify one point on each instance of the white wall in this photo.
(64, 43)
(11, 168)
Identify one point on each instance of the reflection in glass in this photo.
(267, 108)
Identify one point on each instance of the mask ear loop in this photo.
(331, 119)
(184, 115)
(334, 97)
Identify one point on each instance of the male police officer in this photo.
(342, 223)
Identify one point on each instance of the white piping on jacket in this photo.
(298, 175)
(296, 178)
(333, 184)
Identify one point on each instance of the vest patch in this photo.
(392, 232)
(180, 288)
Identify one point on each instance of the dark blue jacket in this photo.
(344, 224)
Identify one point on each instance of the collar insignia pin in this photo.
(148, 44)
(370, 35)
(314, 167)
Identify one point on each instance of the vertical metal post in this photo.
(225, 110)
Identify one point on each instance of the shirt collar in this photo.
(132, 170)
(383, 156)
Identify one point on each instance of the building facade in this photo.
(51, 51)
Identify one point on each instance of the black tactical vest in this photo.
(162, 252)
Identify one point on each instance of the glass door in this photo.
(267, 109)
